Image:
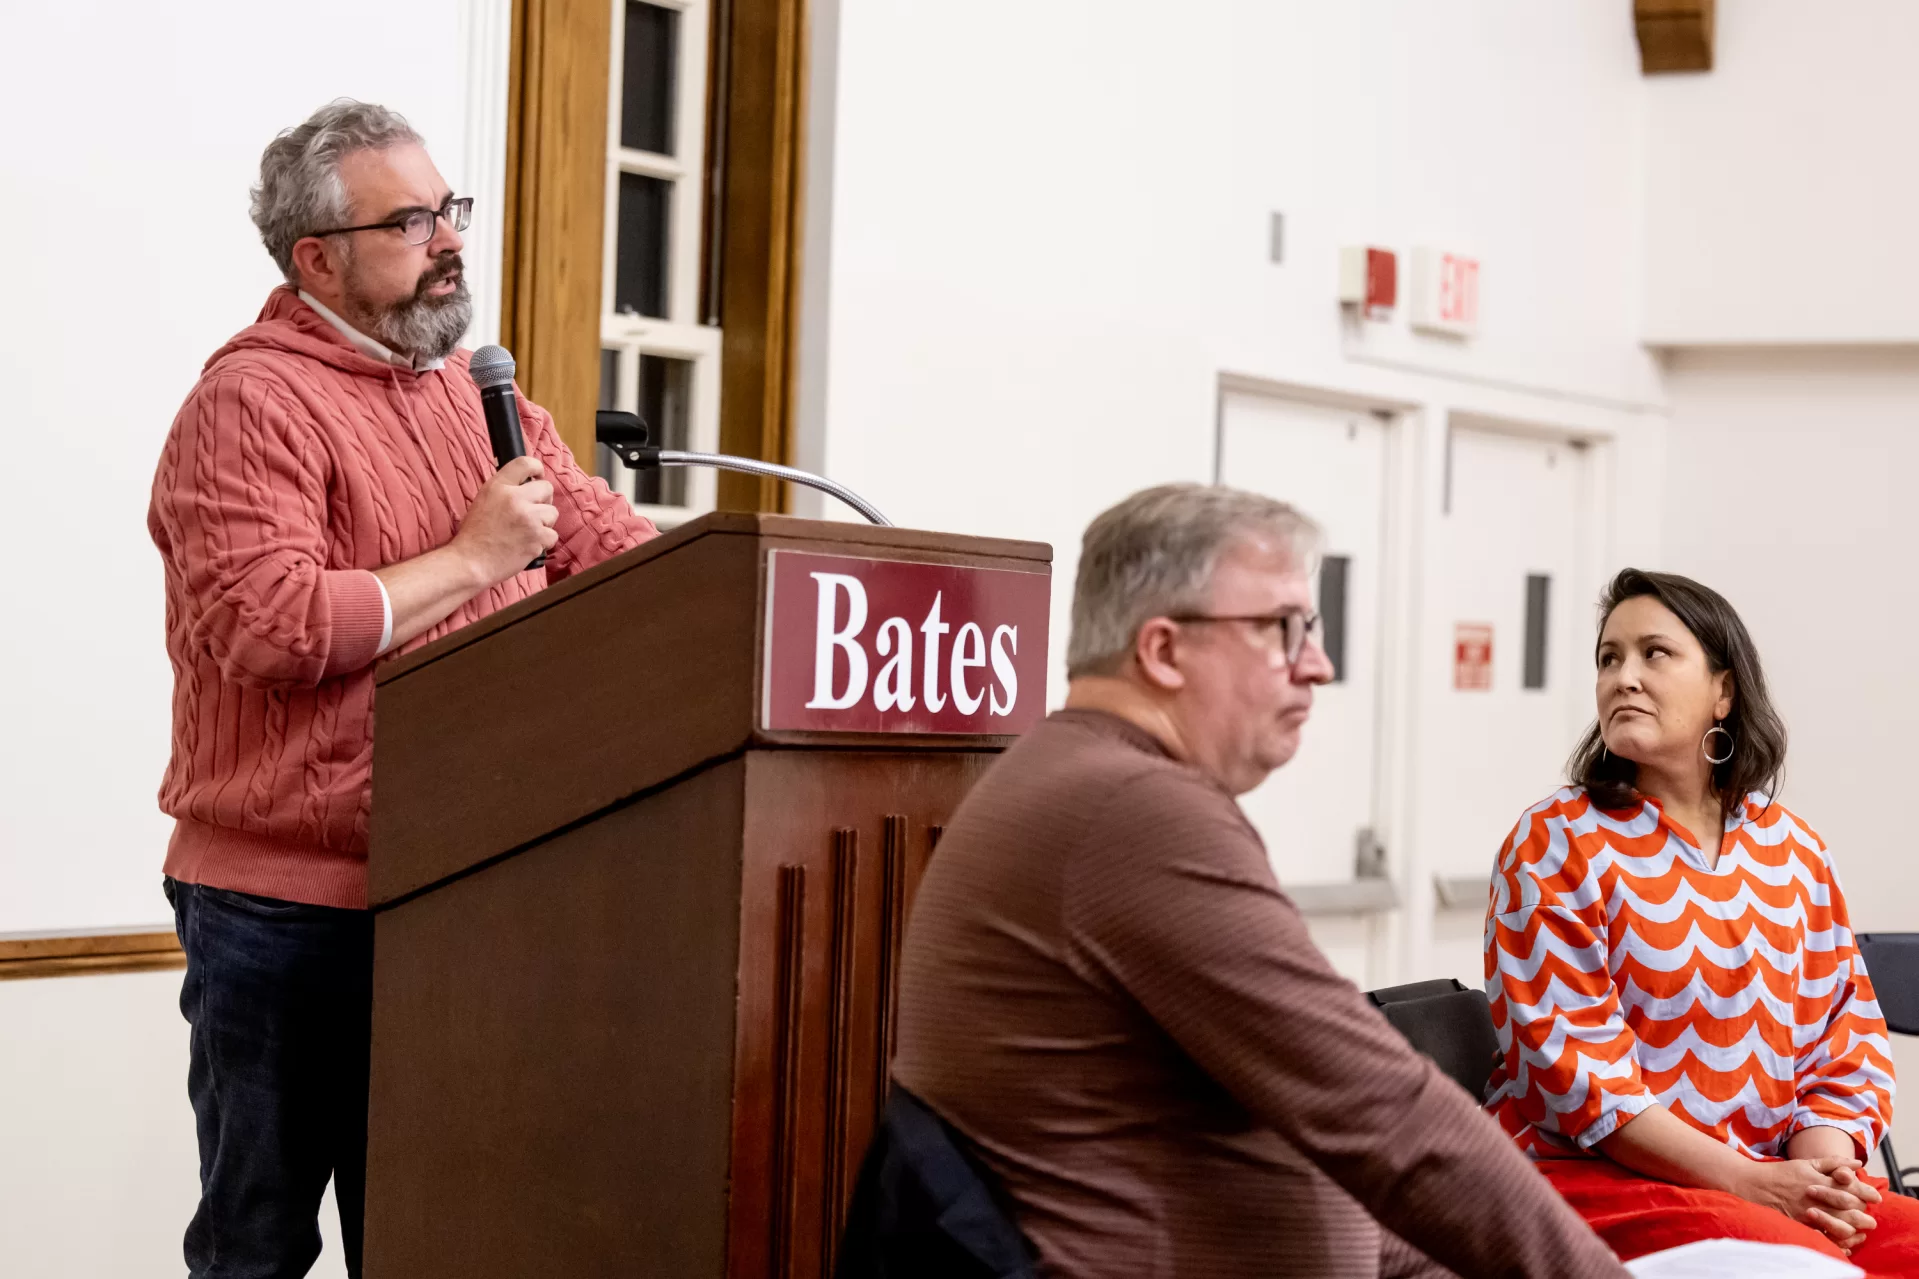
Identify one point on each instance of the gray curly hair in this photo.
(300, 190)
(1154, 554)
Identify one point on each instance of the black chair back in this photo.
(1415, 990)
(1892, 961)
(1449, 1022)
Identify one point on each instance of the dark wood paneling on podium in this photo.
(892, 936)
(789, 1009)
(640, 670)
(553, 1053)
(570, 717)
(838, 1158)
(560, 1079)
(806, 810)
(636, 963)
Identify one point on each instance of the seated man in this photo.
(1106, 992)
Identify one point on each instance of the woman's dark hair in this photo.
(1758, 734)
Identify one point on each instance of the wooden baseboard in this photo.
(147, 948)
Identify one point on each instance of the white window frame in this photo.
(680, 335)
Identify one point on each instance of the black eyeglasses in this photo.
(1287, 630)
(417, 224)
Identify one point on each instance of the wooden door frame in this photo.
(554, 222)
(752, 238)
(757, 123)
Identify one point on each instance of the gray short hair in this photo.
(1154, 554)
(300, 190)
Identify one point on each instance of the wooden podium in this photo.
(637, 935)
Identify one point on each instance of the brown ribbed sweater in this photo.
(1104, 988)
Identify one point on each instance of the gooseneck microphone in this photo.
(492, 371)
(627, 435)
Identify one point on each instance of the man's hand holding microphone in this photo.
(507, 531)
(510, 523)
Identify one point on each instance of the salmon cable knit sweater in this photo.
(296, 467)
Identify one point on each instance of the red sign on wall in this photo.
(1472, 656)
(891, 646)
(1445, 292)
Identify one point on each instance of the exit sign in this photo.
(1445, 292)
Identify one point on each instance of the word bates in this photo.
(892, 646)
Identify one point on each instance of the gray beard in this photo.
(425, 328)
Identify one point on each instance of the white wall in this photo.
(1789, 496)
(1049, 240)
(1779, 189)
(1778, 213)
(136, 130)
(1791, 472)
(1049, 230)
(101, 1173)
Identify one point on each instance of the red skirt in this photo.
(1636, 1215)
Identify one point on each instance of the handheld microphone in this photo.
(492, 371)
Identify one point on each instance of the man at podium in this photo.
(1107, 993)
(326, 495)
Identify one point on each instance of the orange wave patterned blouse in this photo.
(1623, 971)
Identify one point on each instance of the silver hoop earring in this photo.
(1706, 749)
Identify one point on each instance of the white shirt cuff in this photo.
(386, 618)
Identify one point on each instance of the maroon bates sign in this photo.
(889, 646)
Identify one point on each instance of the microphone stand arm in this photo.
(627, 435)
(750, 466)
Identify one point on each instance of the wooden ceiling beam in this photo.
(1674, 35)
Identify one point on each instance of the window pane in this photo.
(666, 405)
(1538, 597)
(609, 378)
(606, 465)
(666, 387)
(639, 285)
(1332, 611)
(647, 89)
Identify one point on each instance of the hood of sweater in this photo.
(288, 325)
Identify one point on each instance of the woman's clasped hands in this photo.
(1826, 1193)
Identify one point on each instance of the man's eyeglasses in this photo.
(1287, 631)
(417, 224)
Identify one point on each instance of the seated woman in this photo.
(1692, 1047)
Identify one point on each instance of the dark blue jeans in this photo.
(280, 998)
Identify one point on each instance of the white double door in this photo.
(1330, 464)
(1508, 553)
(1511, 557)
